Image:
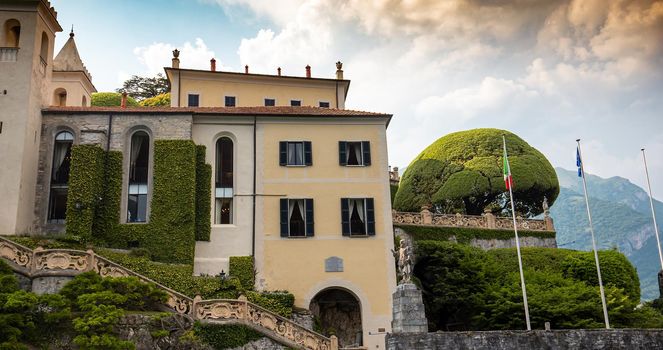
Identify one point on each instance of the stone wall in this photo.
(598, 339)
(92, 129)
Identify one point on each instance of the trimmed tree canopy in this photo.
(462, 172)
(110, 99)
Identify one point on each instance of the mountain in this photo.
(621, 214)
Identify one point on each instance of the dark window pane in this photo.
(357, 225)
(230, 101)
(137, 208)
(295, 103)
(193, 100)
(270, 102)
(297, 224)
(223, 211)
(324, 104)
(139, 158)
(224, 163)
(354, 153)
(57, 206)
(295, 153)
(61, 162)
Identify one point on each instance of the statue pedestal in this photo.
(409, 315)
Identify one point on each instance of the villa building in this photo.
(297, 181)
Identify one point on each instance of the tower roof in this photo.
(68, 59)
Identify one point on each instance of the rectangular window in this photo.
(230, 101)
(270, 102)
(194, 100)
(295, 103)
(324, 104)
(295, 153)
(354, 153)
(58, 205)
(223, 210)
(296, 217)
(358, 216)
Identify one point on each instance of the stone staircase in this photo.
(43, 263)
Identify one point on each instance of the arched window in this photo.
(223, 207)
(139, 160)
(44, 48)
(84, 101)
(60, 97)
(57, 204)
(12, 33)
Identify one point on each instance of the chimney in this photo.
(123, 102)
(308, 71)
(176, 60)
(246, 69)
(278, 71)
(212, 64)
(339, 70)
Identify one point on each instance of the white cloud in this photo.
(158, 55)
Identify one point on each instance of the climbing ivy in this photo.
(203, 195)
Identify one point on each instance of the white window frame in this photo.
(300, 102)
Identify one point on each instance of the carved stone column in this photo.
(490, 218)
(426, 216)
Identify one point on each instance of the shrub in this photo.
(225, 336)
(203, 195)
(161, 100)
(110, 99)
(278, 302)
(462, 171)
(242, 268)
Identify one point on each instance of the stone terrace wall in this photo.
(511, 340)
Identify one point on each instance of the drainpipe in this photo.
(253, 238)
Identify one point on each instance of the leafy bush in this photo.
(225, 336)
(110, 99)
(161, 100)
(462, 172)
(467, 288)
(242, 268)
(278, 302)
(86, 181)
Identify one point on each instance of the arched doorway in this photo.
(338, 313)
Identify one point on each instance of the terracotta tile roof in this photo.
(258, 111)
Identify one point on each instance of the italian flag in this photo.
(508, 180)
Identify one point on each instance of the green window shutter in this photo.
(309, 217)
(370, 217)
(284, 217)
(366, 147)
(283, 153)
(308, 154)
(342, 152)
(345, 216)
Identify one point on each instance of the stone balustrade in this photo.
(8, 54)
(67, 262)
(485, 221)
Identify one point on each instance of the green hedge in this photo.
(225, 336)
(242, 268)
(110, 99)
(85, 187)
(169, 234)
(203, 195)
(280, 302)
(465, 235)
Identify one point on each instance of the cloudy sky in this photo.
(550, 71)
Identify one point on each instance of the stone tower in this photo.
(27, 34)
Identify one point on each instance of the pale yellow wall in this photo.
(228, 239)
(297, 264)
(251, 90)
(26, 83)
(76, 86)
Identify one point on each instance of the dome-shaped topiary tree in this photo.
(462, 172)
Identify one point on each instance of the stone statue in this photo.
(545, 206)
(404, 257)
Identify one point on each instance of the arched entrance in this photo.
(338, 313)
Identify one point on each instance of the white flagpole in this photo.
(515, 230)
(591, 229)
(653, 213)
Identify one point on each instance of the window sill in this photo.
(224, 225)
(137, 223)
(297, 237)
(296, 165)
(356, 166)
(359, 236)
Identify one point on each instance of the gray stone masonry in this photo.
(409, 315)
(49, 284)
(595, 339)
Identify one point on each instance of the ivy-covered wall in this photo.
(171, 230)
(203, 195)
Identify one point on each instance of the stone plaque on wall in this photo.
(334, 264)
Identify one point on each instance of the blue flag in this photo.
(578, 162)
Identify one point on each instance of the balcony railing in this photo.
(487, 221)
(8, 54)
